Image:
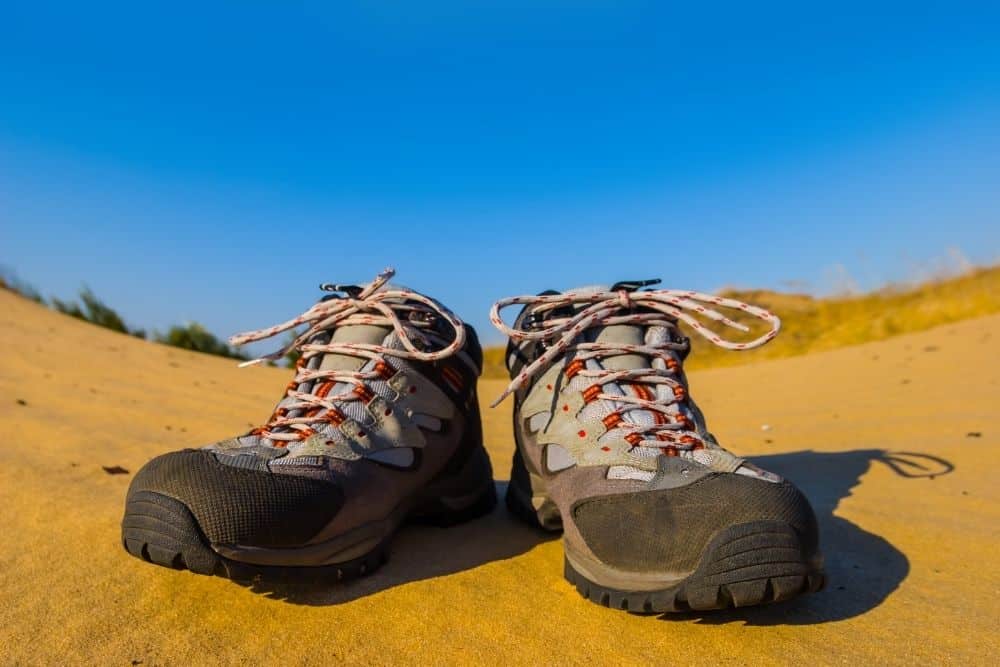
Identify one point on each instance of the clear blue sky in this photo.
(216, 161)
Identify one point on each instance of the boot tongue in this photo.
(366, 334)
(618, 334)
(623, 334)
(358, 333)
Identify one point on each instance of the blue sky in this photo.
(215, 162)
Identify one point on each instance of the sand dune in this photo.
(881, 436)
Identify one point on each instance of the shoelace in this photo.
(599, 309)
(407, 312)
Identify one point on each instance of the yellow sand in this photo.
(912, 560)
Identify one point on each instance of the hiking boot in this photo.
(380, 425)
(611, 449)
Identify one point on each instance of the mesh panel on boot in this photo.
(240, 506)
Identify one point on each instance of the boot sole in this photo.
(744, 565)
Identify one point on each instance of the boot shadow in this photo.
(862, 568)
(422, 552)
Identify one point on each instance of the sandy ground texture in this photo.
(896, 443)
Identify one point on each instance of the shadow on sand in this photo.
(862, 568)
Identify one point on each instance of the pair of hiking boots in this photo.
(381, 425)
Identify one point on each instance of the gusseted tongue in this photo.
(366, 334)
(630, 334)
(342, 362)
(623, 334)
(617, 334)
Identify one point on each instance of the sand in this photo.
(880, 436)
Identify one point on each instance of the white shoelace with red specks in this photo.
(604, 308)
(406, 311)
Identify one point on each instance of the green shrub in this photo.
(12, 283)
(292, 356)
(95, 311)
(197, 338)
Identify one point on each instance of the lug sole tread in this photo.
(769, 571)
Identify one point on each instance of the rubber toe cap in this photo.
(669, 529)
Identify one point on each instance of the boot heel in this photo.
(527, 499)
(463, 495)
(449, 511)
